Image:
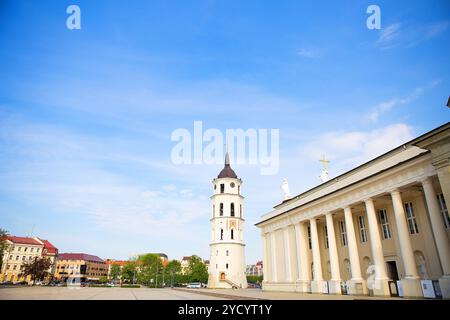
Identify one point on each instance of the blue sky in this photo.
(86, 115)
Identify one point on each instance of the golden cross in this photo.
(324, 162)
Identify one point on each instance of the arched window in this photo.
(232, 209)
(240, 210)
(221, 209)
(227, 253)
(232, 234)
(221, 234)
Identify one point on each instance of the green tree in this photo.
(115, 272)
(36, 268)
(255, 279)
(129, 272)
(173, 268)
(3, 245)
(197, 270)
(150, 269)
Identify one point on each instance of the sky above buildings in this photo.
(86, 116)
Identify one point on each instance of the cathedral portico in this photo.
(379, 229)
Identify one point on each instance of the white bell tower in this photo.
(227, 262)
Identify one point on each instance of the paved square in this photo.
(63, 293)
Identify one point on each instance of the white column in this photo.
(440, 235)
(273, 248)
(335, 283)
(379, 283)
(316, 285)
(411, 283)
(356, 285)
(266, 258)
(437, 224)
(403, 236)
(287, 255)
(355, 264)
(303, 260)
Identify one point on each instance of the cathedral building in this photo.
(227, 262)
(381, 229)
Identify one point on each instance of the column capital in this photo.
(395, 190)
(368, 200)
(426, 180)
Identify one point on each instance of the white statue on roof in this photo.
(285, 188)
(324, 174)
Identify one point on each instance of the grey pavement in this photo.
(85, 293)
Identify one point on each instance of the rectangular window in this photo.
(309, 237)
(343, 233)
(325, 232)
(221, 209)
(386, 230)
(222, 188)
(444, 210)
(362, 229)
(411, 218)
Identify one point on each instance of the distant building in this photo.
(50, 252)
(254, 269)
(111, 262)
(80, 267)
(24, 249)
(185, 264)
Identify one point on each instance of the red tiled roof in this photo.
(51, 249)
(116, 262)
(79, 256)
(23, 240)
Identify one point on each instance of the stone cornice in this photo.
(395, 178)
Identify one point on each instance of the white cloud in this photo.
(309, 53)
(389, 33)
(349, 149)
(396, 34)
(386, 106)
